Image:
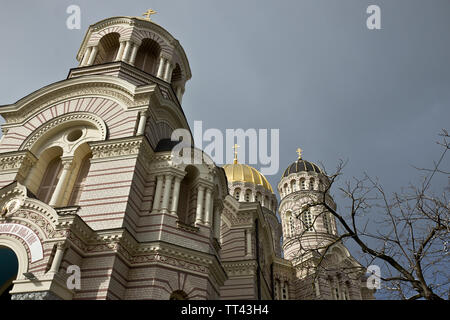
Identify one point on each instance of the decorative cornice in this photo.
(116, 148)
(248, 267)
(187, 227)
(20, 161)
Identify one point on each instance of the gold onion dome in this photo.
(238, 172)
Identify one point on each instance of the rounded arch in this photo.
(237, 194)
(178, 295)
(248, 195)
(157, 130)
(98, 35)
(82, 160)
(61, 124)
(108, 46)
(177, 74)
(51, 161)
(19, 250)
(140, 35)
(187, 201)
(147, 56)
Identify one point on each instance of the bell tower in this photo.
(302, 184)
(133, 48)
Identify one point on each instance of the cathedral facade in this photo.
(88, 186)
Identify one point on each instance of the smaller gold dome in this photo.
(238, 172)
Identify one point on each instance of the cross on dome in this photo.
(235, 153)
(148, 13)
(299, 152)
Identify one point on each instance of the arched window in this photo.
(147, 56)
(326, 222)
(176, 74)
(302, 184)
(291, 226)
(178, 295)
(187, 202)
(50, 180)
(307, 221)
(285, 291)
(258, 197)
(107, 48)
(293, 188)
(277, 290)
(266, 202)
(248, 195)
(79, 182)
(237, 194)
(311, 184)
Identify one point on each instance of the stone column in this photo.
(198, 214)
(166, 196)
(208, 209)
(127, 51)
(56, 263)
(175, 195)
(157, 196)
(120, 52)
(86, 56)
(162, 60)
(133, 54)
(217, 221)
(248, 239)
(92, 56)
(62, 183)
(167, 71)
(179, 93)
(142, 122)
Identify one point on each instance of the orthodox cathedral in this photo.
(88, 187)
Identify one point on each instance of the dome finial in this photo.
(148, 13)
(235, 153)
(299, 152)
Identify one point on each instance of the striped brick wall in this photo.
(106, 194)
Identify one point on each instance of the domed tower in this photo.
(135, 49)
(246, 184)
(303, 183)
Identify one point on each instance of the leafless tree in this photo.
(405, 233)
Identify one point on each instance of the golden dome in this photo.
(238, 172)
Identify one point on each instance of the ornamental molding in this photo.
(240, 268)
(68, 117)
(33, 213)
(116, 148)
(20, 161)
(104, 86)
(40, 295)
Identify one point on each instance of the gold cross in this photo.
(148, 13)
(299, 152)
(235, 153)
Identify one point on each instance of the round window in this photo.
(74, 135)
